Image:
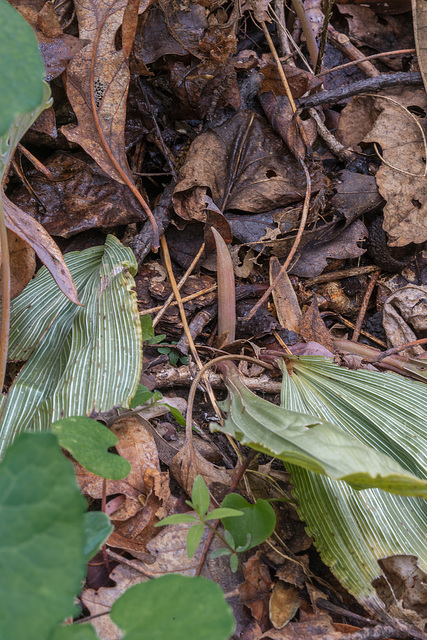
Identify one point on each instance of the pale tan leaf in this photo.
(419, 15)
(47, 250)
(285, 299)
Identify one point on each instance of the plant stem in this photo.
(324, 36)
(5, 289)
(307, 30)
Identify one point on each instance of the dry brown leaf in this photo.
(419, 16)
(243, 164)
(80, 197)
(284, 603)
(318, 627)
(385, 33)
(138, 446)
(22, 264)
(314, 255)
(405, 317)
(102, 600)
(313, 329)
(188, 463)
(255, 590)
(386, 122)
(285, 299)
(355, 195)
(47, 250)
(111, 82)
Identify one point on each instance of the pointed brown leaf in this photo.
(47, 250)
(314, 329)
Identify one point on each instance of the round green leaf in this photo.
(88, 442)
(21, 71)
(41, 538)
(98, 529)
(75, 632)
(174, 607)
(258, 520)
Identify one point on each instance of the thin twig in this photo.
(183, 280)
(193, 296)
(307, 30)
(342, 42)
(334, 145)
(391, 352)
(166, 152)
(340, 275)
(324, 36)
(364, 307)
(364, 59)
(370, 85)
(130, 563)
(291, 254)
(285, 50)
(168, 264)
(5, 292)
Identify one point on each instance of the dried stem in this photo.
(183, 280)
(5, 292)
(324, 36)
(168, 264)
(364, 306)
(307, 30)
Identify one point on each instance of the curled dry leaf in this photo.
(243, 164)
(405, 317)
(285, 299)
(46, 249)
(146, 488)
(99, 24)
(255, 590)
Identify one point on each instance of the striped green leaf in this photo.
(353, 530)
(386, 413)
(80, 360)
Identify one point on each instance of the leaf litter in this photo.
(212, 135)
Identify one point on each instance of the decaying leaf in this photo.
(401, 178)
(285, 299)
(314, 255)
(405, 317)
(46, 249)
(80, 197)
(313, 328)
(419, 14)
(284, 603)
(243, 165)
(99, 24)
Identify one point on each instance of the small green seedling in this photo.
(200, 500)
(148, 331)
(246, 525)
(174, 356)
(144, 395)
